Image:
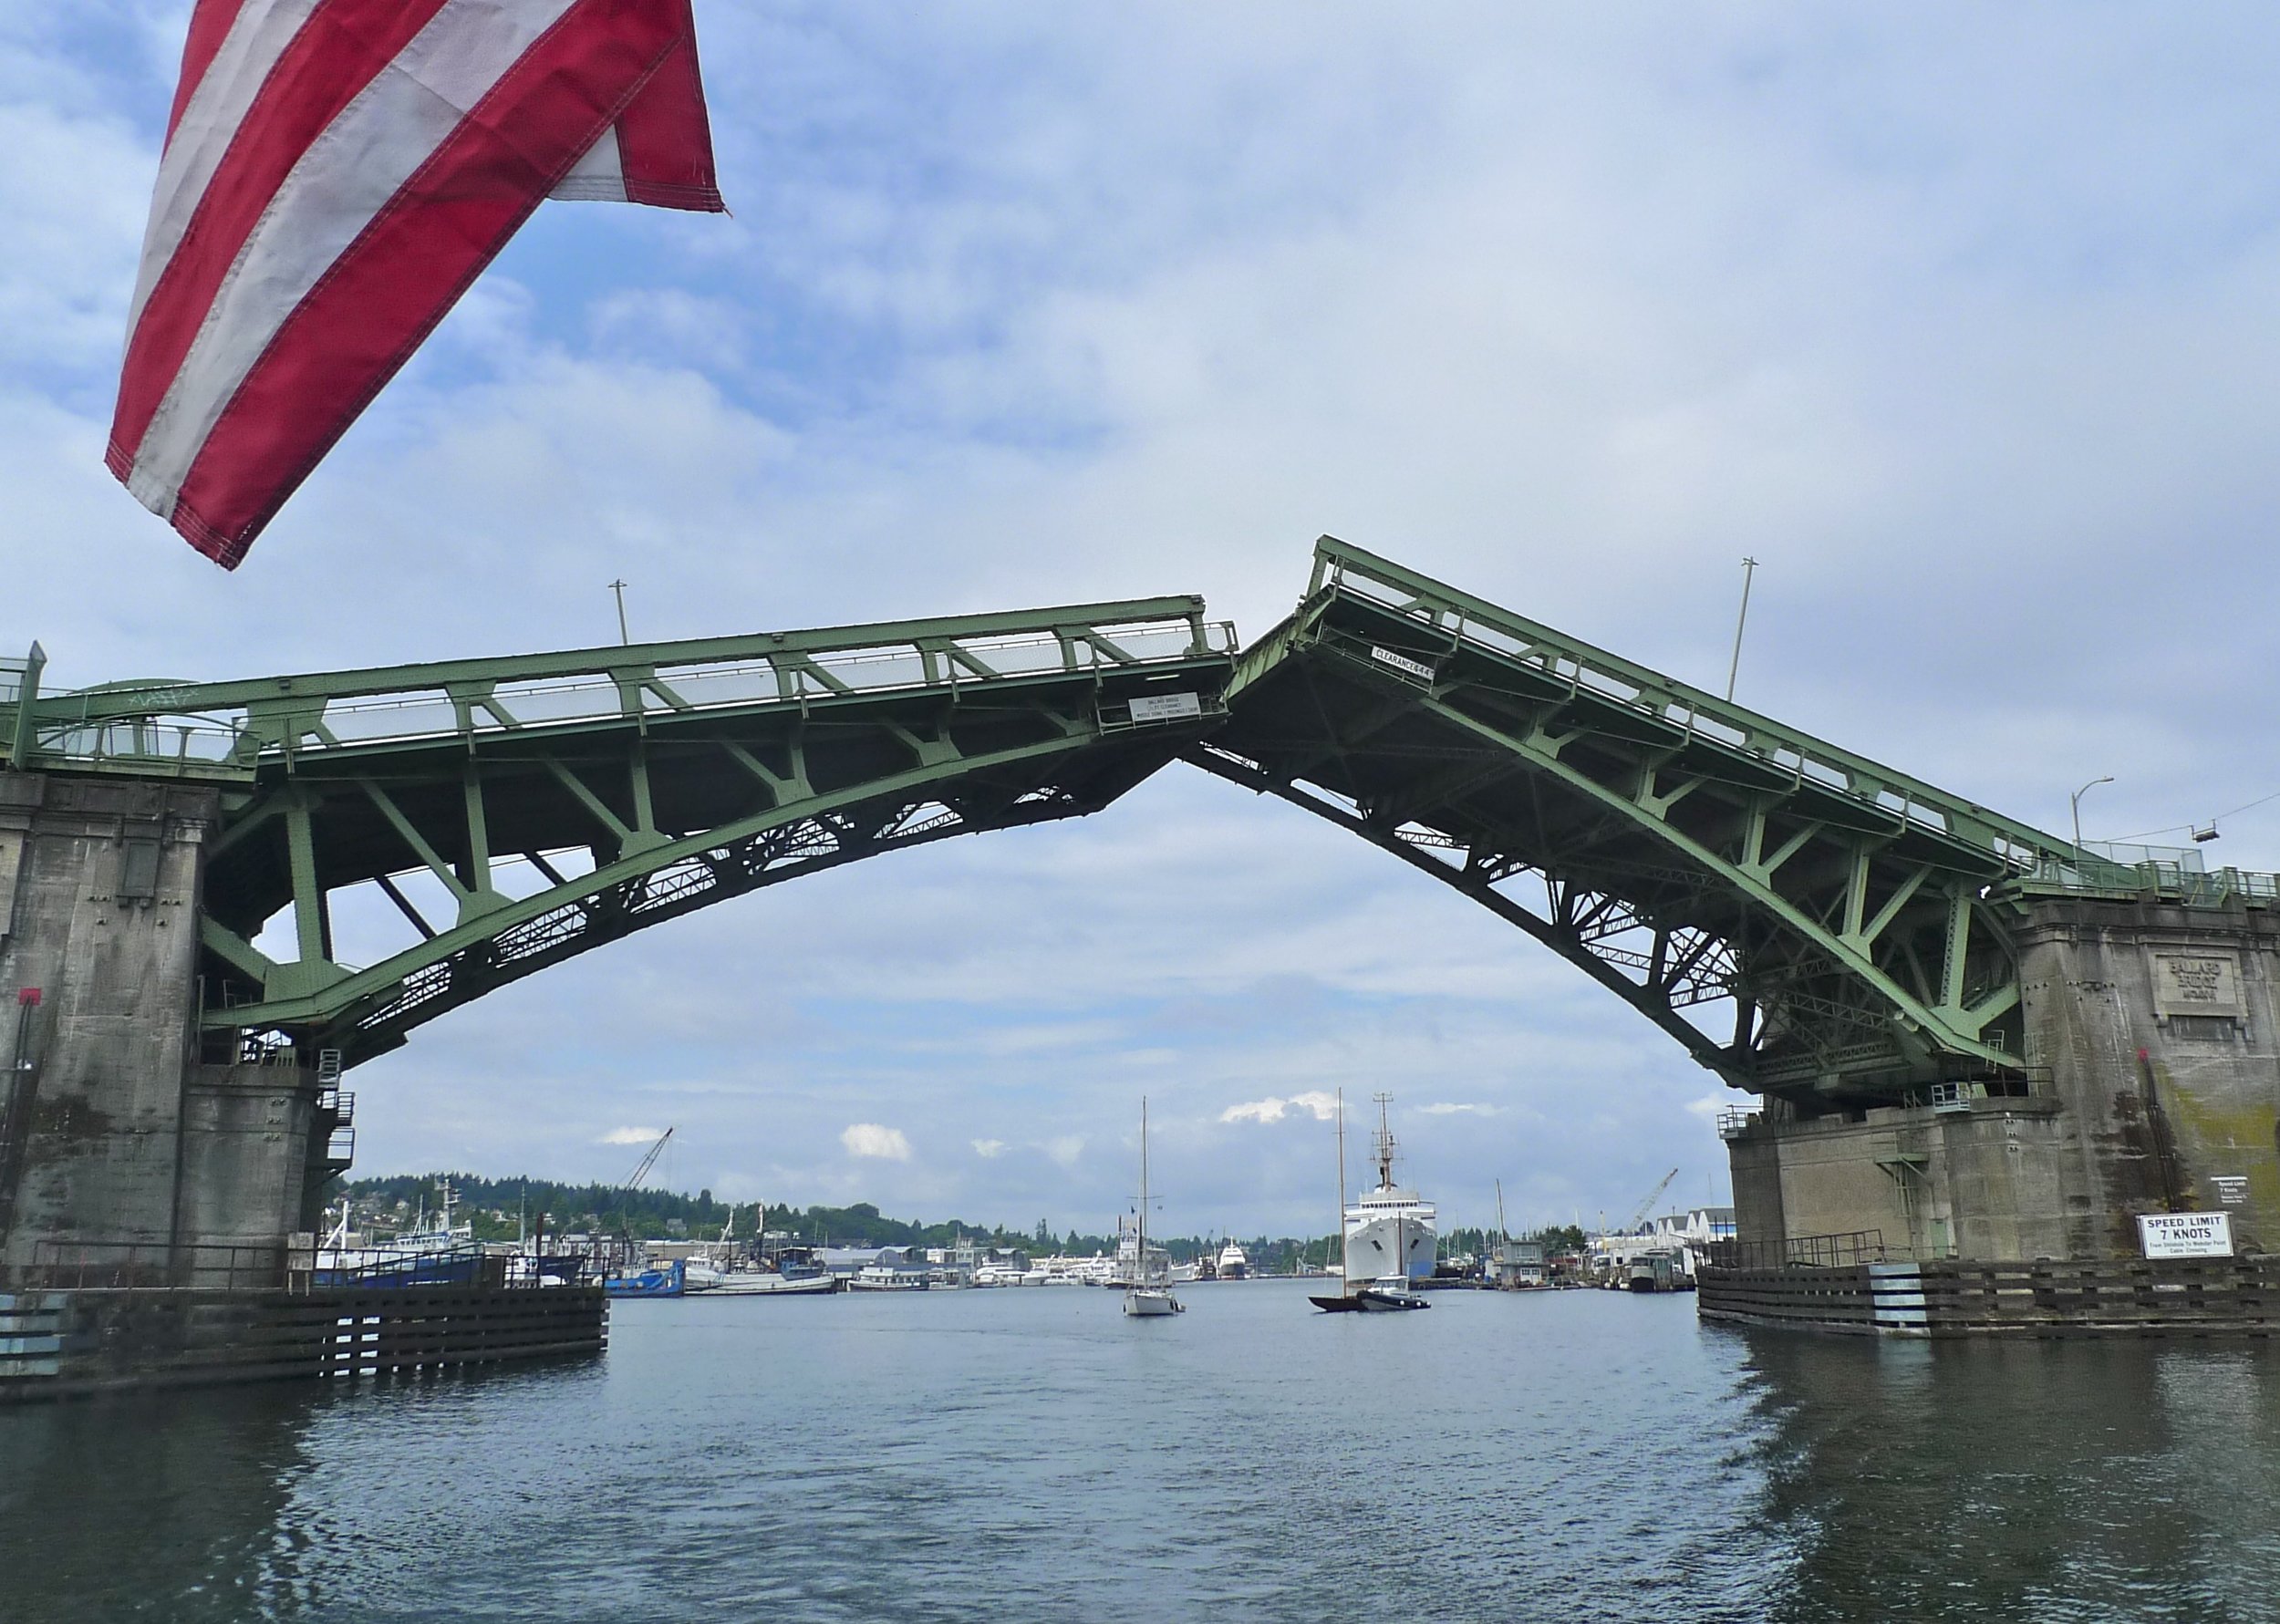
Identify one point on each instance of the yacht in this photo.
(1144, 1297)
(1233, 1263)
(1391, 1236)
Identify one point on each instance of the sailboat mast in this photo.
(1341, 1231)
(1140, 1259)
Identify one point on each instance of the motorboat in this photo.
(788, 1273)
(1233, 1265)
(1147, 1296)
(671, 1279)
(880, 1277)
(1392, 1294)
(756, 1283)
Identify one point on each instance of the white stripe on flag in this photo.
(599, 176)
(258, 35)
(347, 175)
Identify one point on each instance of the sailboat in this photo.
(1144, 1299)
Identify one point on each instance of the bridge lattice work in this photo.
(1807, 923)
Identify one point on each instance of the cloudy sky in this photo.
(1961, 319)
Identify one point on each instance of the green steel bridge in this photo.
(1807, 923)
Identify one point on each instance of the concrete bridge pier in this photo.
(2152, 1085)
(115, 1132)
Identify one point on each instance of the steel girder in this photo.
(1680, 850)
(515, 812)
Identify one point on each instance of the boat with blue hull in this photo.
(671, 1279)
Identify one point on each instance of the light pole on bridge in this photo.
(619, 588)
(2075, 802)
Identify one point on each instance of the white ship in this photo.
(1389, 1231)
(1233, 1263)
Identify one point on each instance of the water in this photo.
(1018, 1456)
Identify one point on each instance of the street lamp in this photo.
(2074, 800)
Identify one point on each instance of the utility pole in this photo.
(1734, 667)
(619, 588)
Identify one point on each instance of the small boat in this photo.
(672, 1280)
(759, 1283)
(794, 1273)
(1144, 1297)
(878, 1277)
(1390, 1294)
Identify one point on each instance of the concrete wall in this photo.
(99, 915)
(2161, 1033)
(115, 1133)
(247, 1131)
(1981, 1181)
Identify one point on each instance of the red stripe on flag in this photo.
(209, 26)
(664, 139)
(380, 300)
(329, 62)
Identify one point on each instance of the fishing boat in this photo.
(433, 1252)
(1391, 1236)
(1146, 1297)
(793, 1275)
(669, 1279)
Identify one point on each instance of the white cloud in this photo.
(1275, 1107)
(870, 1140)
(630, 1136)
(1445, 1107)
(988, 1147)
(1065, 1149)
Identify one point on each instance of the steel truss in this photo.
(1687, 852)
(556, 802)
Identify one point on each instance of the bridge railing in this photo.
(2168, 880)
(227, 728)
(1455, 617)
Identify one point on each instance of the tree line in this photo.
(502, 1208)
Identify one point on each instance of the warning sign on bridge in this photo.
(2185, 1235)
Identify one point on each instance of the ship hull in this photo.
(1373, 1247)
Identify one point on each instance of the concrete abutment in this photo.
(2152, 1051)
(114, 1133)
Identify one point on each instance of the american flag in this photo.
(336, 173)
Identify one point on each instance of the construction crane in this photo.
(624, 1242)
(641, 1170)
(1653, 1195)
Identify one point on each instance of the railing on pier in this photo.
(1847, 1250)
(95, 1266)
(92, 1265)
